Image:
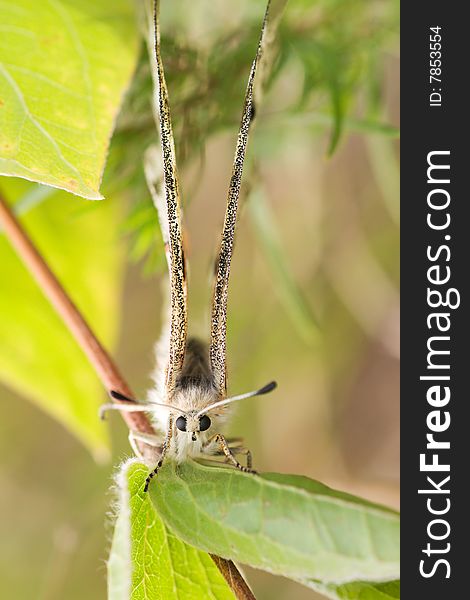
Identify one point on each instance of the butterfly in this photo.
(189, 399)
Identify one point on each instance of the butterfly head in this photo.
(193, 423)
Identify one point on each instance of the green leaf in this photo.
(339, 111)
(147, 562)
(64, 66)
(359, 590)
(289, 525)
(119, 562)
(38, 356)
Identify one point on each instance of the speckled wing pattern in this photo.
(175, 254)
(222, 265)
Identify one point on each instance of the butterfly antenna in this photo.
(121, 397)
(133, 405)
(269, 387)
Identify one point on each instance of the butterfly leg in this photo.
(238, 449)
(219, 440)
(244, 452)
(234, 441)
(165, 446)
(147, 438)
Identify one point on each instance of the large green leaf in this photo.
(284, 524)
(147, 562)
(38, 356)
(64, 66)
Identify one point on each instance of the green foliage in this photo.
(63, 69)
(338, 47)
(359, 590)
(285, 524)
(147, 561)
(39, 358)
(332, 45)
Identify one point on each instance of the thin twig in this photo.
(103, 364)
(51, 287)
(233, 577)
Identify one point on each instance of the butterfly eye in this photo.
(181, 423)
(204, 423)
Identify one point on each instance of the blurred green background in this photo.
(314, 285)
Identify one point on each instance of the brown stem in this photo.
(233, 577)
(50, 286)
(103, 364)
